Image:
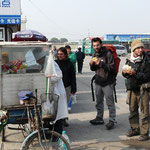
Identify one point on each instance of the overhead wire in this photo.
(52, 21)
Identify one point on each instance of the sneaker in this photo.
(69, 109)
(143, 138)
(110, 125)
(133, 132)
(97, 121)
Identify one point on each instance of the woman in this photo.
(57, 86)
(68, 71)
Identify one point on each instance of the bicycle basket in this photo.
(49, 106)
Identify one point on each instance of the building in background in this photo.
(23, 25)
(125, 37)
(10, 18)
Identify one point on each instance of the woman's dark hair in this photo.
(67, 46)
(63, 50)
(97, 39)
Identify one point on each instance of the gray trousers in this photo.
(106, 91)
(68, 93)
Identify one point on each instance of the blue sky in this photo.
(76, 19)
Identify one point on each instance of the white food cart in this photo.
(20, 72)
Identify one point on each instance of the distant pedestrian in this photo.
(137, 74)
(71, 55)
(103, 65)
(54, 52)
(80, 59)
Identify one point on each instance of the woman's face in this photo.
(61, 55)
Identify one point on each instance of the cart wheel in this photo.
(3, 134)
(47, 140)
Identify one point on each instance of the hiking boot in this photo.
(97, 121)
(110, 125)
(143, 138)
(133, 132)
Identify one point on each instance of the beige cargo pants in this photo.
(139, 101)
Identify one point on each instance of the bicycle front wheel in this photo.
(48, 140)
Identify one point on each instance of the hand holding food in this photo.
(94, 59)
(128, 69)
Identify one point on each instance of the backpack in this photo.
(117, 60)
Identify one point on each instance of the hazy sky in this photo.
(76, 19)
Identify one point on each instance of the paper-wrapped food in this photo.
(127, 67)
(94, 58)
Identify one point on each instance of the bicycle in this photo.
(42, 138)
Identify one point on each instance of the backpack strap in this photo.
(92, 89)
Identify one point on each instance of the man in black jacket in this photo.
(103, 65)
(80, 59)
(137, 72)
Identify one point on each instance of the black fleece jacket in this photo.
(68, 71)
(142, 75)
(106, 69)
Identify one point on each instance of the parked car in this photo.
(121, 50)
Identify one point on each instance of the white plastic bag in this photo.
(73, 98)
(48, 109)
(55, 79)
(50, 70)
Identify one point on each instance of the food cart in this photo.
(21, 69)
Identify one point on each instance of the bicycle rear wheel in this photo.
(49, 141)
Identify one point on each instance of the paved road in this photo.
(82, 134)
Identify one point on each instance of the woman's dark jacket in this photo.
(142, 75)
(68, 71)
(106, 69)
